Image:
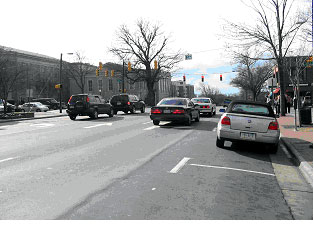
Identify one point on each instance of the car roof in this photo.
(201, 98)
(249, 102)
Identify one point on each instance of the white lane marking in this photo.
(152, 127)
(93, 126)
(147, 122)
(214, 129)
(228, 168)
(180, 165)
(8, 159)
(153, 189)
(42, 125)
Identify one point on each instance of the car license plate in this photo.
(118, 103)
(166, 111)
(247, 136)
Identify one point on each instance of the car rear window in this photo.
(78, 98)
(200, 100)
(120, 98)
(253, 109)
(173, 102)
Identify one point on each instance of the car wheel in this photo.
(111, 113)
(273, 148)
(214, 112)
(115, 112)
(156, 122)
(211, 113)
(189, 121)
(133, 110)
(143, 109)
(95, 114)
(37, 110)
(126, 112)
(197, 119)
(220, 143)
(72, 117)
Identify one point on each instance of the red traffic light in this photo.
(184, 78)
(220, 77)
(202, 78)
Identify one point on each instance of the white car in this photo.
(33, 106)
(248, 121)
(205, 105)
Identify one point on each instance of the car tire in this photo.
(273, 148)
(115, 112)
(189, 121)
(197, 119)
(126, 112)
(214, 113)
(111, 113)
(220, 143)
(143, 109)
(156, 122)
(210, 113)
(38, 110)
(72, 117)
(95, 114)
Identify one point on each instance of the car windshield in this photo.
(253, 109)
(200, 100)
(78, 98)
(172, 102)
(120, 98)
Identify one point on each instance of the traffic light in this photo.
(112, 73)
(97, 72)
(155, 65)
(183, 78)
(106, 73)
(220, 77)
(202, 78)
(58, 86)
(129, 66)
(100, 66)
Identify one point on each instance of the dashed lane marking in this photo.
(152, 127)
(180, 165)
(8, 159)
(42, 125)
(214, 129)
(147, 123)
(93, 126)
(228, 168)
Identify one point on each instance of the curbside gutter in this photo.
(304, 167)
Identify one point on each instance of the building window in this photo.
(99, 85)
(110, 85)
(90, 85)
(132, 86)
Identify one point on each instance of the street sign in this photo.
(188, 56)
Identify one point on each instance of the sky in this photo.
(62, 26)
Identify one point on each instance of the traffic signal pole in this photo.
(60, 77)
(122, 76)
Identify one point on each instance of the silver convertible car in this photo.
(248, 121)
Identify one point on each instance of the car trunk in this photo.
(249, 122)
(120, 101)
(168, 109)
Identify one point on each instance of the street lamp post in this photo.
(60, 81)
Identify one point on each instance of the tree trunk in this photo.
(282, 90)
(150, 98)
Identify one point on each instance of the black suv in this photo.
(51, 103)
(88, 105)
(126, 103)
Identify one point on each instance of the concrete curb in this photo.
(32, 118)
(304, 167)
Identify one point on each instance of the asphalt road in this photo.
(126, 168)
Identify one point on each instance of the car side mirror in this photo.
(222, 110)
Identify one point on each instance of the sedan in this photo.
(205, 105)
(175, 109)
(33, 106)
(248, 121)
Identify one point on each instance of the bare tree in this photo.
(274, 33)
(142, 47)
(79, 69)
(252, 77)
(10, 73)
(208, 91)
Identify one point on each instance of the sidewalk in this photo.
(299, 144)
(39, 115)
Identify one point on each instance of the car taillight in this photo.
(87, 99)
(177, 111)
(70, 99)
(225, 121)
(273, 125)
(129, 103)
(207, 107)
(155, 111)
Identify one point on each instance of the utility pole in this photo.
(122, 76)
(60, 89)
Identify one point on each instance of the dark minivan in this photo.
(126, 103)
(88, 105)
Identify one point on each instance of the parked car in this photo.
(175, 109)
(248, 121)
(10, 107)
(33, 107)
(51, 103)
(88, 105)
(205, 105)
(126, 103)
